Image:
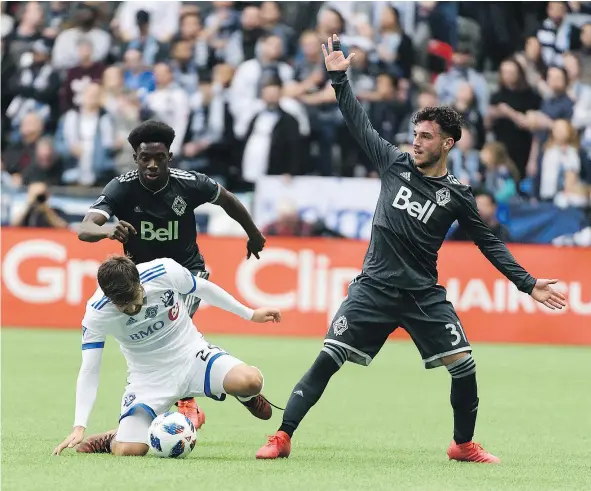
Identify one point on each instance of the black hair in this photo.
(151, 131)
(446, 117)
(487, 193)
(119, 279)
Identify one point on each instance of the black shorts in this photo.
(191, 302)
(371, 312)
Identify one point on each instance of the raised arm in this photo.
(379, 151)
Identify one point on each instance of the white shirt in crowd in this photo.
(171, 106)
(164, 18)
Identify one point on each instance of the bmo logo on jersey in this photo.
(138, 336)
(148, 232)
(415, 209)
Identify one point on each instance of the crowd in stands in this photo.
(244, 86)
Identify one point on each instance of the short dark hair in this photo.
(151, 131)
(446, 117)
(119, 279)
(487, 193)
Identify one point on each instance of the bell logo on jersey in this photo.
(138, 336)
(147, 231)
(415, 209)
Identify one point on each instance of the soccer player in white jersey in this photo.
(167, 358)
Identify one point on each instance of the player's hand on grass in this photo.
(255, 245)
(71, 440)
(334, 59)
(121, 231)
(547, 295)
(265, 314)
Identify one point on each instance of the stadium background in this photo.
(314, 198)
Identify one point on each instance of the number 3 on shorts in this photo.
(457, 335)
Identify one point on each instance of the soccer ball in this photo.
(172, 435)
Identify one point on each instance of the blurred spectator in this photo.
(28, 30)
(394, 47)
(145, 42)
(465, 104)
(20, 154)
(8, 68)
(6, 22)
(57, 13)
(330, 21)
(271, 23)
(38, 213)
(392, 104)
(184, 69)
(170, 104)
(464, 160)
(446, 84)
(532, 62)
(245, 88)
(584, 53)
(65, 52)
(554, 34)
(506, 115)
(487, 208)
(220, 24)
(126, 113)
(577, 89)
(272, 139)
(167, 15)
(242, 44)
(561, 166)
(112, 88)
(35, 88)
(86, 141)
(46, 166)
(501, 175)
(79, 77)
(136, 76)
(289, 224)
(202, 55)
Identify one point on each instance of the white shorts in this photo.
(202, 376)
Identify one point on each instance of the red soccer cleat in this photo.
(97, 443)
(259, 407)
(278, 446)
(470, 452)
(190, 409)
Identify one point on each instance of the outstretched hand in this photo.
(334, 59)
(265, 314)
(547, 296)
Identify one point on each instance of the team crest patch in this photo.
(151, 312)
(167, 298)
(340, 325)
(179, 206)
(129, 398)
(443, 197)
(130, 321)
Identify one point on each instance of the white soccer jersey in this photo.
(161, 335)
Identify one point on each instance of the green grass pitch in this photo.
(383, 427)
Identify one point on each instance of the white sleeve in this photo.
(87, 385)
(187, 284)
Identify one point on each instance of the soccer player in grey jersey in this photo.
(418, 202)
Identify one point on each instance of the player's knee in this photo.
(126, 449)
(244, 381)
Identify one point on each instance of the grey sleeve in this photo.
(492, 247)
(380, 152)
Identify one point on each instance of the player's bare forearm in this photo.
(92, 229)
(236, 210)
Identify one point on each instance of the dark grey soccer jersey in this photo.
(414, 212)
(164, 220)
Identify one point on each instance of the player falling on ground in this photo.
(418, 202)
(142, 307)
(154, 205)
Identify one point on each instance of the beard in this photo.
(430, 160)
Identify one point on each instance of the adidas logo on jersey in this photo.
(299, 393)
(415, 209)
(405, 175)
(131, 321)
(137, 209)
